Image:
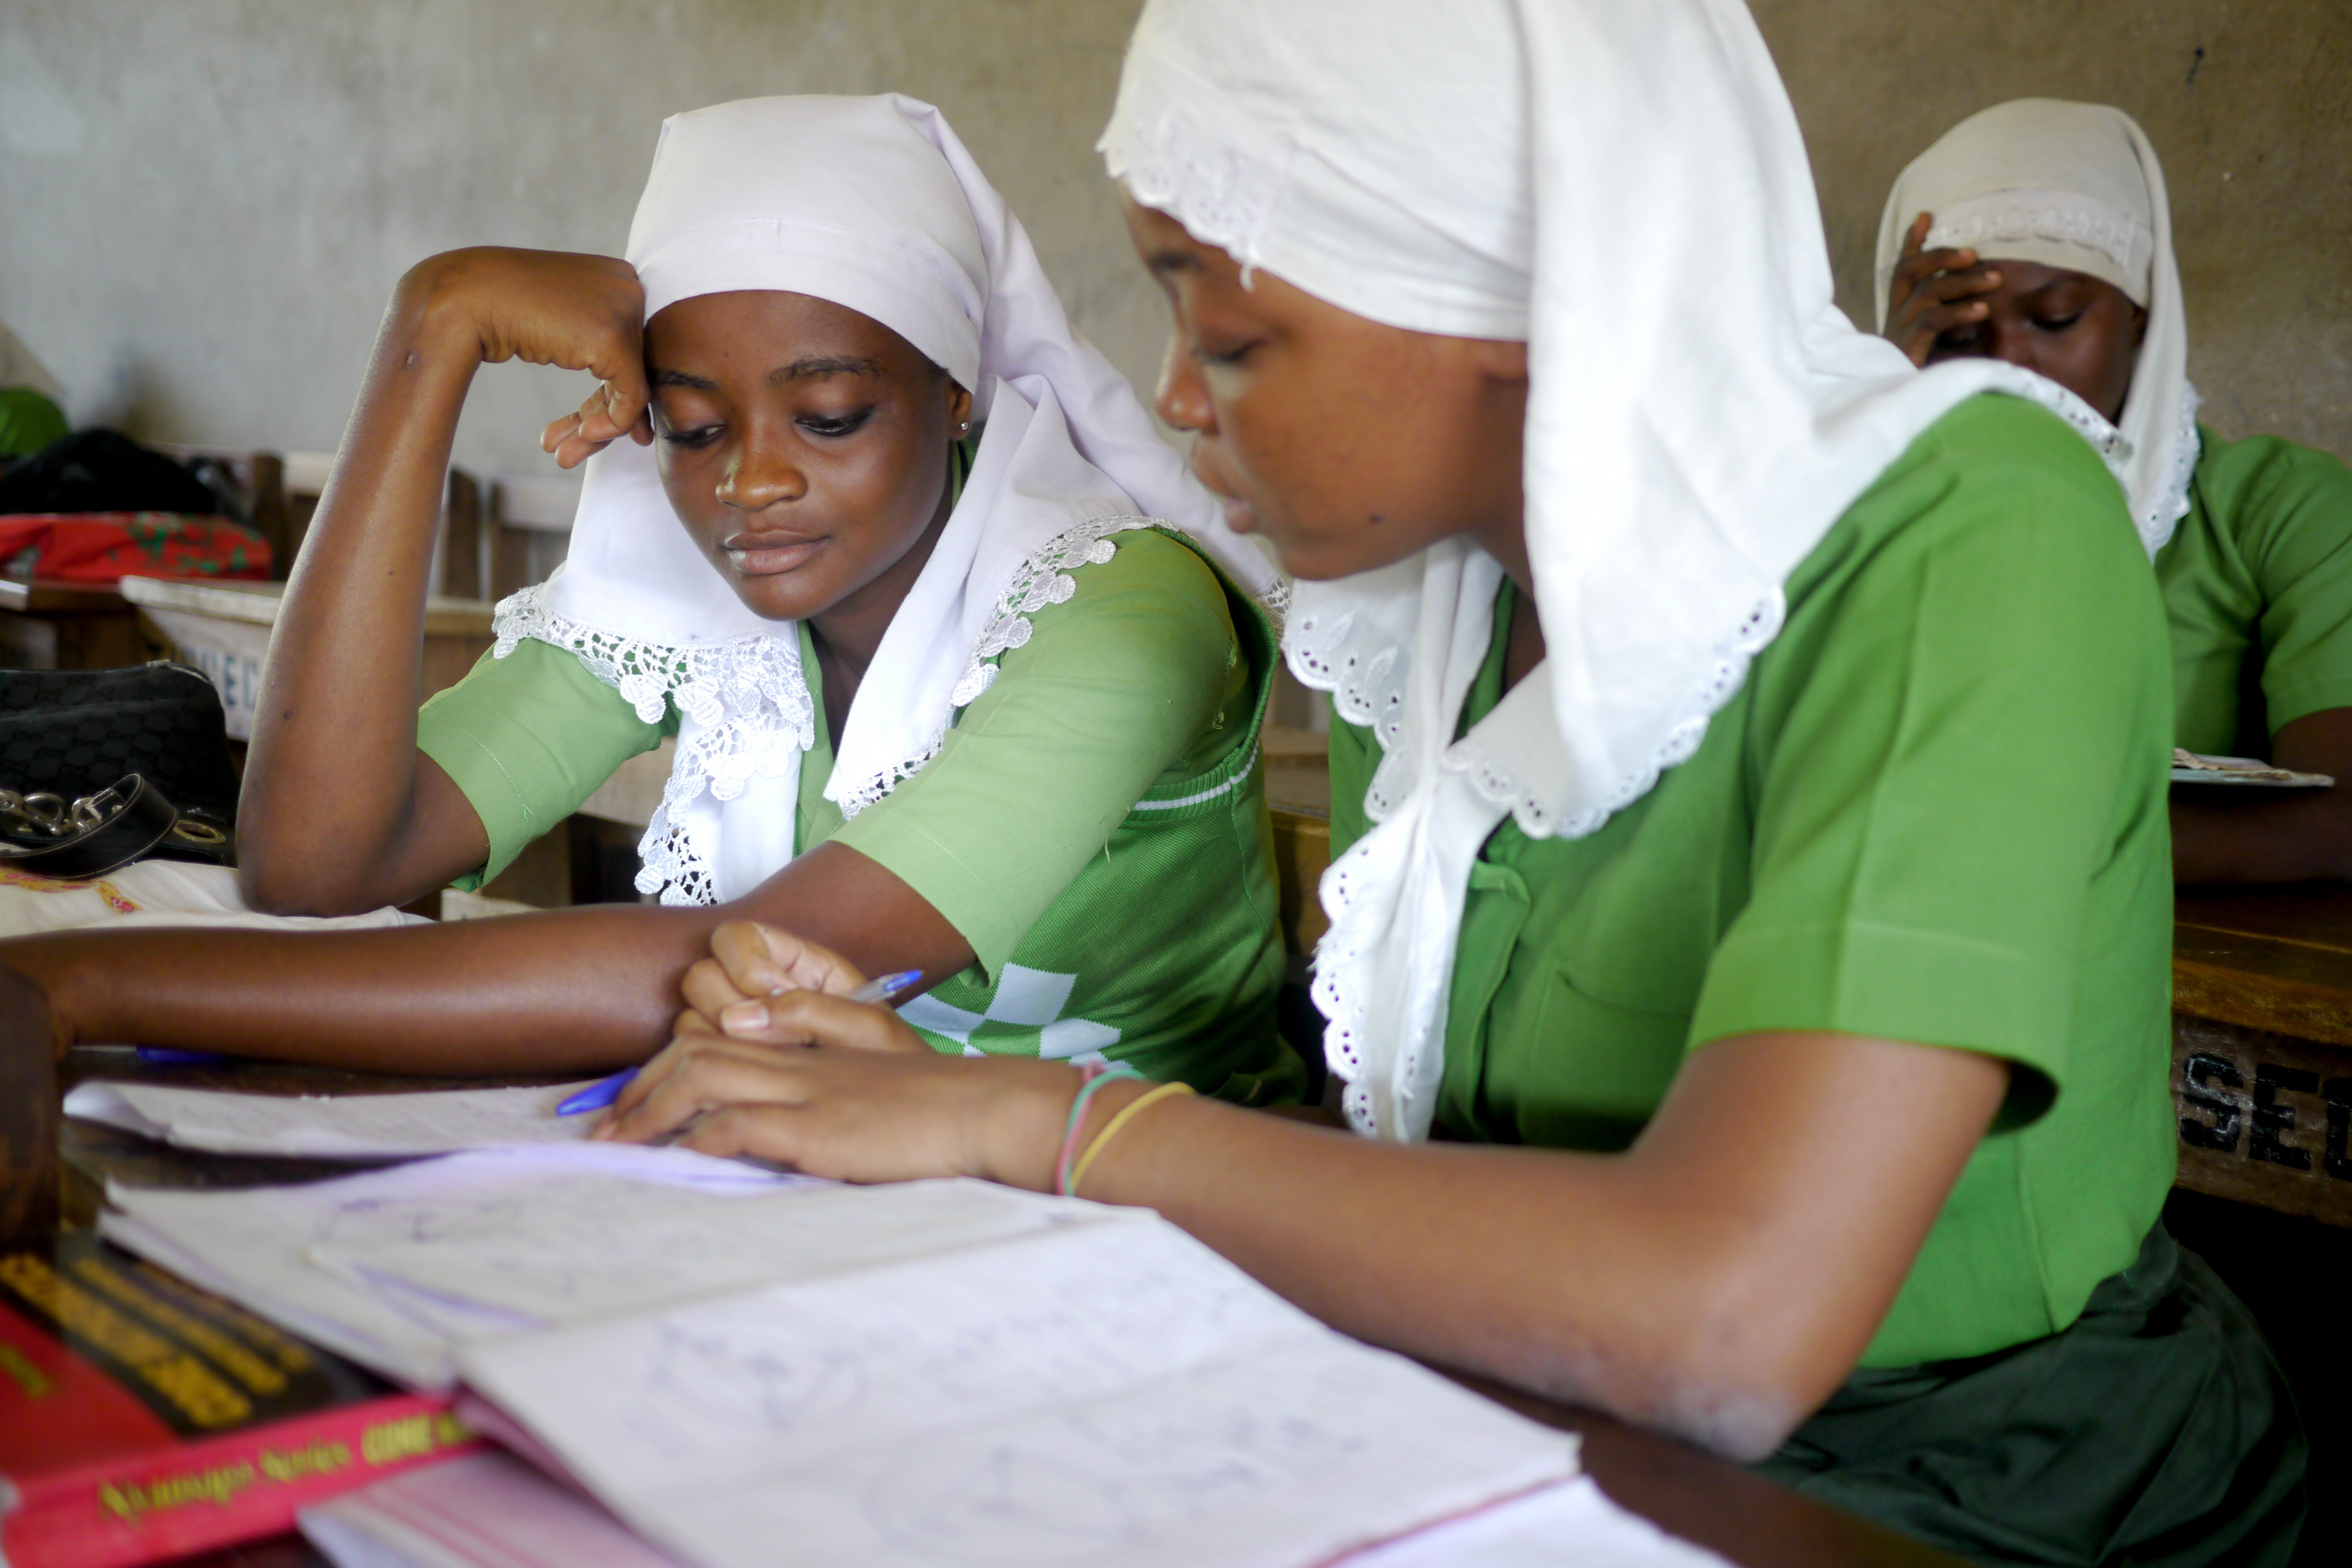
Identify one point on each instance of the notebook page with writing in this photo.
(1112, 1394)
(396, 1268)
(342, 1126)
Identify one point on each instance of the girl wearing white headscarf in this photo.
(985, 709)
(1748, 787)
(2038, 232)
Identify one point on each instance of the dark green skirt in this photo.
(2157, 1430)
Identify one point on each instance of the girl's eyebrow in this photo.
(825, 364)
(800, 369)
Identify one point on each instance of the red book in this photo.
(141, 1419)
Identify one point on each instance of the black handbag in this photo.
(102, 767)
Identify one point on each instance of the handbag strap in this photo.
(110, 829)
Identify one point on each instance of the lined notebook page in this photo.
(1097, 1395)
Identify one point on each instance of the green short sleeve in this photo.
(527, 738)
(2257, 585)
(1138, 673)
(1936, 816)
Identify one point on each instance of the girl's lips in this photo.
(766, 555)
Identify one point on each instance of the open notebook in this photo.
(936, 1372)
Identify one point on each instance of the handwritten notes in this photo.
(348, 1126)
(938, 1373)
(1098, 1394)
(395, 1268)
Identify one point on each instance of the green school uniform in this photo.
(1094, 824)
(1934, 812)
(2257, 584)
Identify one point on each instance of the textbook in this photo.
(141, 1419)
(745, 1367)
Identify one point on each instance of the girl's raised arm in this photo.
(341, 812)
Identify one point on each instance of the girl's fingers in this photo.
(708, 989)
(816, 1018)
(763, 960)
(697, 1075)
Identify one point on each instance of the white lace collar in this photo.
(747, 716)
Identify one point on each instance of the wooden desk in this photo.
(2262, 996)
(67, 625)
(224, 628)
(1746, 1519)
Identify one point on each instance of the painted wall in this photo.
(2249, 103)
(204, 203)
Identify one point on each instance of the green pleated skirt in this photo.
(2156, 1430)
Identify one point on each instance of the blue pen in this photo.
(599, 1095)
(165, 1056)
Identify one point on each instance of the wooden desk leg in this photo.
(29, 1113)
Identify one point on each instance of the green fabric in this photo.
(2257, 584)
(1154, 659)
(1933, 812)
(28, 422)
(2157, 1430)
(526, 738)
(1094, 825)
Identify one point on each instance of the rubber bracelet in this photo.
(1111, 1129)
(1095, 1077)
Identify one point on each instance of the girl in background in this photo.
(2038, 232)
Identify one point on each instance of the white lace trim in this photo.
(751, 698)
(749, 694)
(1041, 580)
(2059, 215)
(2170, 504)
(1208, 178)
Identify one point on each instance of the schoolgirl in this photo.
(964, 670)
(1750, 774)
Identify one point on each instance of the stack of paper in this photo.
(488, 1510)
(749, 1368)
(347, 1127)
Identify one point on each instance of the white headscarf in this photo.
(874, 204)
(1625, 186)
(2077, 186)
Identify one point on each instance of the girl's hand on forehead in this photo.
(1932, 293)
(551, 307)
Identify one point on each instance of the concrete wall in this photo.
(204, 202)
(2249, 103)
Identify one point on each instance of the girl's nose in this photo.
(763, 473)
(1183, 398)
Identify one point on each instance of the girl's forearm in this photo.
(571, 990)
(329, 812)
(1718, 1280)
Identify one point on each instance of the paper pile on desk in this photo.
(489, 1511)
(342, 1126)
(741, 1366)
